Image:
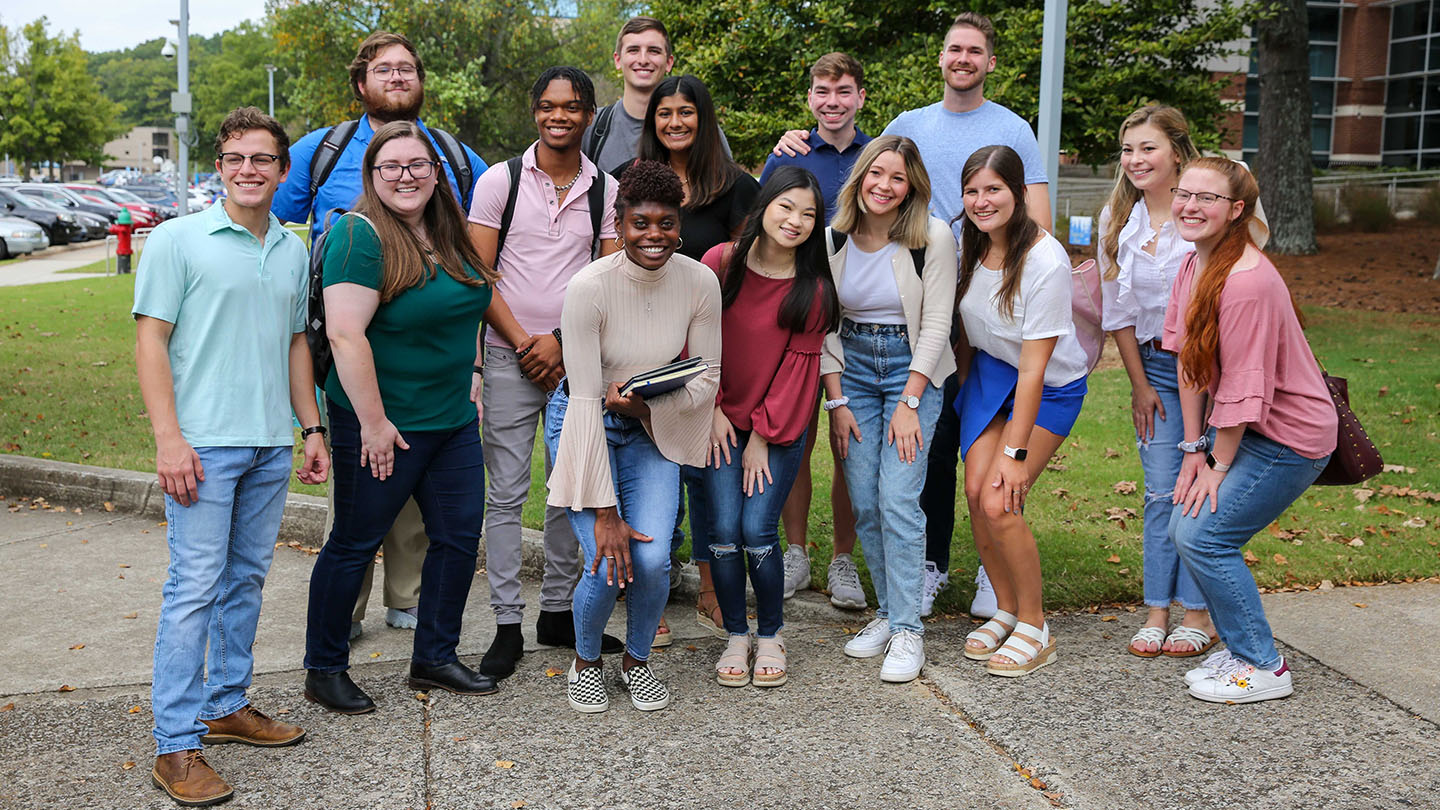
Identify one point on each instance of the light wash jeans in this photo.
(220, 551)
(1166, 580)
(647, 489)
(1265, 478)
(884, 490)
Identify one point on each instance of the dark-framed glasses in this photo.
(384, 72)
(1204, 198)
(419, 170)
(260, 160)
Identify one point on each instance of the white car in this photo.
(199, 200)
(20, 236)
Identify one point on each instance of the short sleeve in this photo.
(771, 164)
(352, 254)
(609, 227)
(302, 290)
(1249, 348)
(160, 278)
(292, 199)
(1172, 335)
(1023, 142)
(1047, 302)
(487, 205)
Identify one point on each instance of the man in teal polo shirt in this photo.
(220, 311)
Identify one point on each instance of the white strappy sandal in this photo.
(1151, 635)
(992, 634)
(1029, 647)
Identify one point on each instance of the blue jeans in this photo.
(693, 480)
(1165, 579)
(1265, 478)
(884, 490)
(647, 490)
(220, 551)
(750, 523)
(444, 471)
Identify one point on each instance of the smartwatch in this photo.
(1215, 465)
(912, 402)
(1017, 453)
(305, 434)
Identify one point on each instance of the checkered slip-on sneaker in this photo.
(646, 692)
(586, 689)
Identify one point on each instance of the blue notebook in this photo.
(657, 381)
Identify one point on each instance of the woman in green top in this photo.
(404, 295)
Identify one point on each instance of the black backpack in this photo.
(321, 359)
(595, 196)
(599, 131)
(452, 153)
(917, 255)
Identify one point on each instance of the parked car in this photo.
(91, 225)
(20, 236)
(60, 226)
(66, 198)
(143, 214)
(158, 196)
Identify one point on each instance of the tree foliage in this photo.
(52, 107)
(755, 56)
(140, 82)
(481, 57)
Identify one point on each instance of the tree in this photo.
(233, 75)
(1282, 162)
(52, 107)
(755, 56)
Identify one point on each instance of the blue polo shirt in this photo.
(235, 304)
(342, 188)
(829, 165)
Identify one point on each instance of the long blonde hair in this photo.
(911, 227)
(401, 252)
(1124, 196)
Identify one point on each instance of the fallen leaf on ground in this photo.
(1036, 783)
(422, 695)
(133, 710)
(8, 707)
(77, 646)
(66, 688)
(134, 614)
(1250, 558)
(690, 647)
(1124, 487)
(1280, 560)
(1414, 523)
(375, 655)
(504, 763)
(553, 671)
(109, 507)
(1384, 389)
(1362, 495)
(1327, 585)
(1109, 618)
(461, 739)
(1113, 558)
(517, 804)
(1396, 468)
(128, 765)
(1361, 605)
(1356, 542)
(1111, 452)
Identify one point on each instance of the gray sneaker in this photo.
(845, 590)
(797, 570)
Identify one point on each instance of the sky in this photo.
(107, 25)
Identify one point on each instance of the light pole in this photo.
(270, 69)
(1052, 82)
(181, 105)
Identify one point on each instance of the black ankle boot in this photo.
(556, 628)
(504, 653)
(336, 692)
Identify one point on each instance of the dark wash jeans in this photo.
(445, 472)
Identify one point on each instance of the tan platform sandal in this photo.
(736, 656)
(769, 654)
(1028, 648)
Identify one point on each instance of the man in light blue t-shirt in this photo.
(220, 312)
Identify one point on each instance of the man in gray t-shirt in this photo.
(643, 57)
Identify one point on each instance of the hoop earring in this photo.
(680, 243)
(619, 241)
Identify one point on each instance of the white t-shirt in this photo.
(1042, 310)
(868, 292)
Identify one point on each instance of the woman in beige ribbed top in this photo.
(616, 459)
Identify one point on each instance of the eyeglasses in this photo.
(1205, 198)
(419, 170)
(234, 160)
(385, 71)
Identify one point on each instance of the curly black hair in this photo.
(648, 181)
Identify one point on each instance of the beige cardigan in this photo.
(928, 301)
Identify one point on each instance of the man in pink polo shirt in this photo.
(548, 237)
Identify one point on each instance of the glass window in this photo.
(1320, 134)
(160, 139)
(1404, 95)
(1432, 93)
(1431, 137)
(1324, 24)
(1398, 159)
(1252, 94)
(1429, 160)
(1322, 60)
(1322, 98)
(1409, 20)
(1402, 132)
(1250, 139)
(1405, 57)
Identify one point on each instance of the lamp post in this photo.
(1052, 82)
(270, 69)
(181, 105)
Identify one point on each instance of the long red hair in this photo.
(1202, 319)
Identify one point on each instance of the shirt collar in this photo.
(817, 142)
(365, 132)
(219, 220)
(588, 171)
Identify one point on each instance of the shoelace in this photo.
(982, 582)
(905, 643)
(1216, 661)
(846, 573)
(1229, 666)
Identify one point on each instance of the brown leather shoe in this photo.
(250, 726)
(189, 779)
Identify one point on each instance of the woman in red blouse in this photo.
(778, 304)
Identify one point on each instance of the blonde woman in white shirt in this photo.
(1023, 383)
(883, 374)
(1140, 253)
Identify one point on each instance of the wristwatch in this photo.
(1200, 445)
(912, 401)
(1215, 465)
(556, 333)
(305, 434)
(1017, 453)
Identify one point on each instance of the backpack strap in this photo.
(599, 132)
(453, 153)
(837, 241)
(596, 197)
(322, 161)
(917, 257)
(513, 166)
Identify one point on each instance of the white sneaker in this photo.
(845, 590)
(1209, 668)
(1243, 683)
(871, 641)
(904, 657)
(983, 606)
(797, 570)
(935, 579)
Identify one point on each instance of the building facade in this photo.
(138, 148)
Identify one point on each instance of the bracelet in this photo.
(1215, 465)
(556, 333)
(305, 434)
(1200, 445)
(480, 370)
(832, 404)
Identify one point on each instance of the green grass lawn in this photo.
(71, 394)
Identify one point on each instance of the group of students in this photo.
(904, 284)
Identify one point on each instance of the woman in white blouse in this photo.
(1140, 254)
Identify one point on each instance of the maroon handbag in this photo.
(1355, 458)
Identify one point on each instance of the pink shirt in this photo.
(1266, 376)
(548, 241)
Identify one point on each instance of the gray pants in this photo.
(513, 409)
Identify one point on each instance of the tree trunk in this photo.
(1283, 165)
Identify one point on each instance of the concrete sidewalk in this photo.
(51, 266)
(1098, 729)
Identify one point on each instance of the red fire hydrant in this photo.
(122, 229)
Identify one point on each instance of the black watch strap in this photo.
(556, 333)
(305, 434)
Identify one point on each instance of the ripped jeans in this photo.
(750, 523)
(1166, 580)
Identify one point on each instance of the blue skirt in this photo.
(989, 390)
